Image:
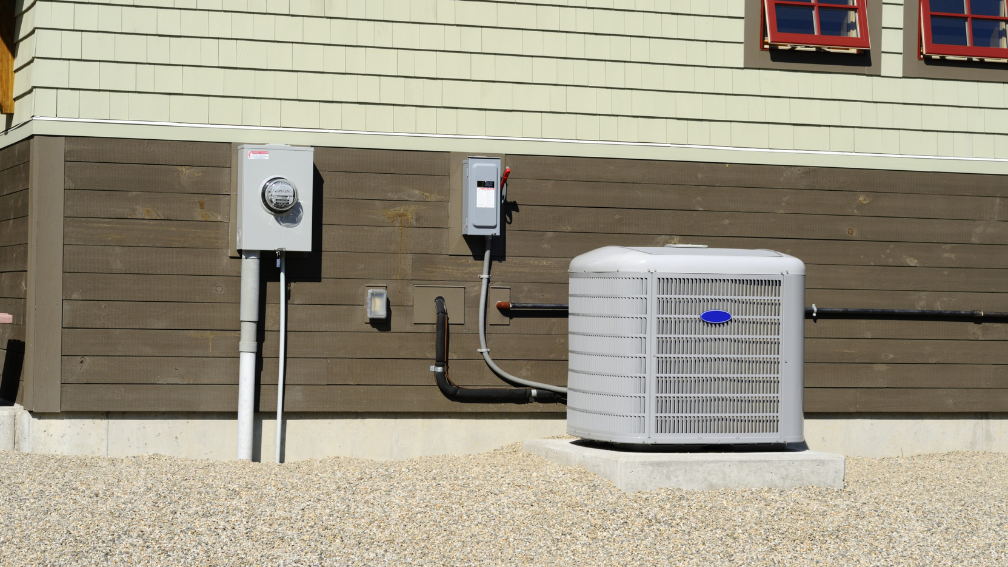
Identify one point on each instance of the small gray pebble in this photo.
(505, 507)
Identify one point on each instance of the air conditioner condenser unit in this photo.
(686, 346)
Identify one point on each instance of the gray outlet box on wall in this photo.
(481, 196)
(275, 197)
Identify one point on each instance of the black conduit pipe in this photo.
(477, 395)
(816, 313)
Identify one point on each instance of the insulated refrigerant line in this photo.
(282, 354)
(509, 378)
(476, 395)
(816, 313)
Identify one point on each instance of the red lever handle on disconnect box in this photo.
(507, 171)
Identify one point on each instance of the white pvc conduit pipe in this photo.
(282, 354)
(247, 348)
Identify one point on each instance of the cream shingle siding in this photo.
(645, 71)
(24, 57)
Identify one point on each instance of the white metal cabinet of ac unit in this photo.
(653, 359)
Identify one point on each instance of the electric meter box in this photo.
(481, 196)
(275, 197)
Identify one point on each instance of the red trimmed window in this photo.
(840, 25)
(974, 29)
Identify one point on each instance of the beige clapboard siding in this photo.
(846, 201)
(663, 71)
(848, 375)
(822, 252)
(314, 371)
(557, 168)
(155, 316)
(300, 318)
(221, 398)
(99, 176)
(923, 400)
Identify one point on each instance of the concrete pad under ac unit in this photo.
(650, 470)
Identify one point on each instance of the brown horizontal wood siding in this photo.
(14, 172)
(151, 297)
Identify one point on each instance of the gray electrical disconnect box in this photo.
(275, 197)
(481, 196)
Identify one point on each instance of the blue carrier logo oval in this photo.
(715, 317)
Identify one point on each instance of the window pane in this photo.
(948, 31)
(795, 19)
(839, 2)
(989, 33)
(949, 6)
(987, 8)
(838, 22)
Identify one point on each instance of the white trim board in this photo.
(45, 126)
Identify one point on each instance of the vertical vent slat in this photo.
(607, 337)
(711, 381)
(717, 380)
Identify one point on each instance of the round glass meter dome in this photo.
(279, 195)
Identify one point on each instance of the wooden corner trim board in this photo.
(44, 301)
(7, 11)
(233, 219)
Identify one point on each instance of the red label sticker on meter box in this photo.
(258, 154)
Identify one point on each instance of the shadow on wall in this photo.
(301, 267)
(11, 377)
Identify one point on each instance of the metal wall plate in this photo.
(424, 312)
(495, 294)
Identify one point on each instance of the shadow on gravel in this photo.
(755, 448)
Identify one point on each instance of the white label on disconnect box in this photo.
(258, 154)
(484, 197)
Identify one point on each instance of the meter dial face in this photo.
(279, 195)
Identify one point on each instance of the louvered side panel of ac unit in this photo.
(607, 365)
(717, 383)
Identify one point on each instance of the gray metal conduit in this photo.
(485, 351)
(477, 395)
(814, 313)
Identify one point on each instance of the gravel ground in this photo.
(503, 507)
